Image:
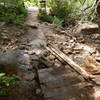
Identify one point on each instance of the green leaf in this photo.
(2, 74)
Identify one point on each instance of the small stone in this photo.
(32, 52)
(24, 59)
(51, 57)
(22, 47)
(35, 26)
(34, 58)
(35, 63)
(71, 41)
(57, 64)
(67, 51)
(62, 32)
(38, 91)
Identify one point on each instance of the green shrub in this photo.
(66, 9)
(30, 3)
(57, 21)
(45, 17)
(13, 11)
(63, 8)
(6, 81)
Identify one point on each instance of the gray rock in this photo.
(24, 59)
(39, 42)
(35, 26)
(24, 65)
(8, 62)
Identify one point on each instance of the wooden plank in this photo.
(60, 55)
(67, 60)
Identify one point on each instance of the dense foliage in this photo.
(60, 10)
(31, 3)
(12, 11)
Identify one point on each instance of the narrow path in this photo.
(43, 76)
(32, 17)
(57, 83)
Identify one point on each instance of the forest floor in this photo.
(43, 76)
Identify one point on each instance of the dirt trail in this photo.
(56, 82)
(43, 76)
(32, 17)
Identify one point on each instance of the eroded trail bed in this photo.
(43, 76)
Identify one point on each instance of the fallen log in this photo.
(62, 57)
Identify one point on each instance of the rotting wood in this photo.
(62, 57)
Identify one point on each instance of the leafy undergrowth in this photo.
(7, 81)
(61, 11)
(12, 11)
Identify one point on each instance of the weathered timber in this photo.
(66, 59)
(60, 55)
(60, 59)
